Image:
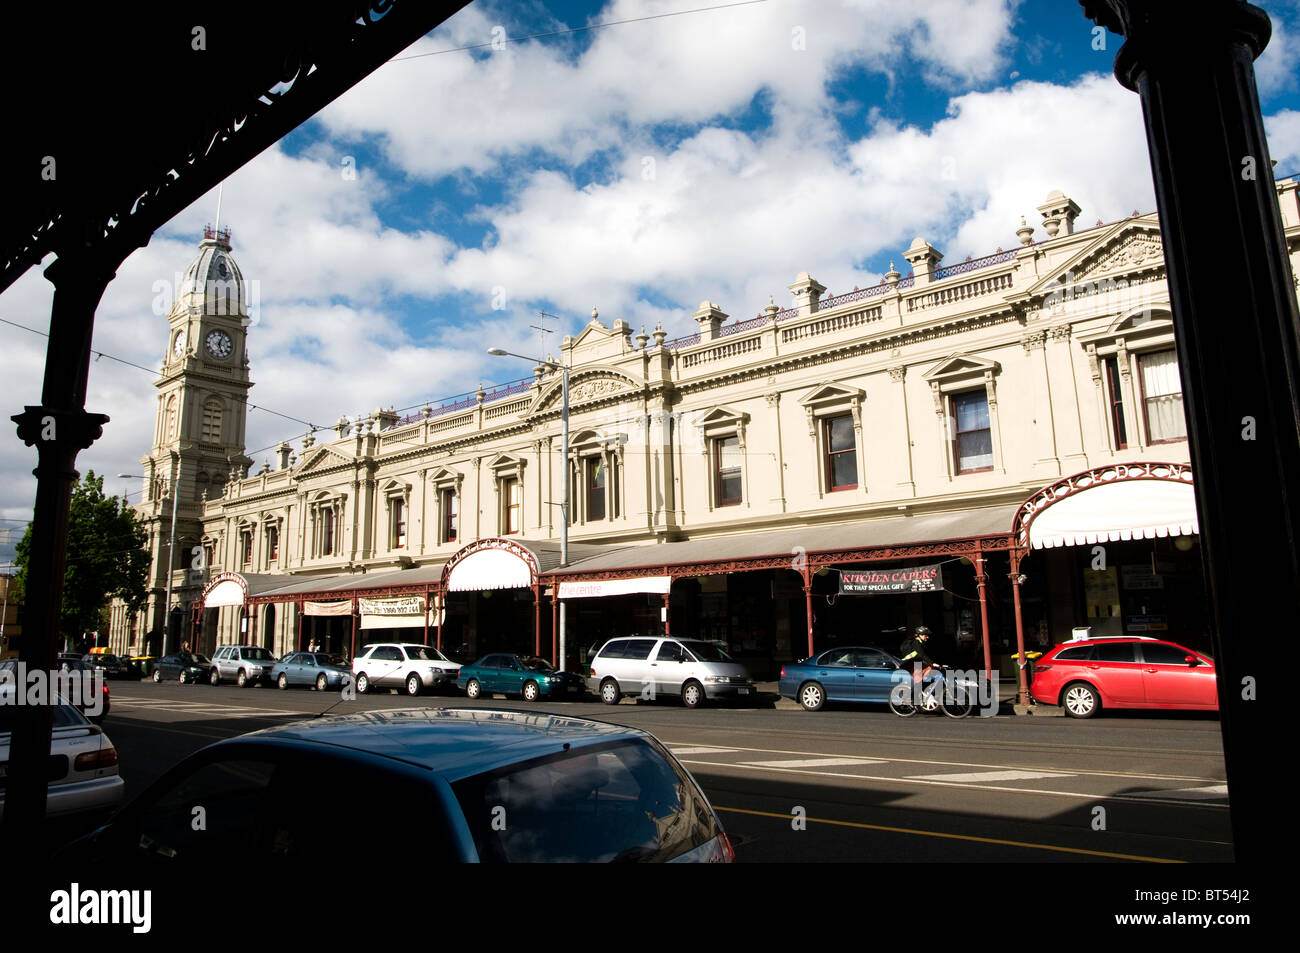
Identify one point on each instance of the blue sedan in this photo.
(846, 674)
(311, 668)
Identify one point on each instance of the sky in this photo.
(633, 156)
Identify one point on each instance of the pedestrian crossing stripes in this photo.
(814, 762)
(178, 707)
(701, 750)
(1207, 793)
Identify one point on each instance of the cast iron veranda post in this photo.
(59, 428)
(1238, 334)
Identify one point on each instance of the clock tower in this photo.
(198, 442)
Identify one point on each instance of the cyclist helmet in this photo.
(921, 630)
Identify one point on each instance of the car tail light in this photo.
(592, 672)
(726, 844)
(93, 760)
(783, 671)
(1041, 668)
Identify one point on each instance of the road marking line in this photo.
(1006, 767)
(989, 776)
(947, 784)
(705, 749)
(968, 837)
(1190, 794)
(814, 762)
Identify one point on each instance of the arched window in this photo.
(169, 419)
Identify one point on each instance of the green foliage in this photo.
(107, 558)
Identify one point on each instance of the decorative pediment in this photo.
(1154, 322)
(444, 477)
(596, 342)
(721, 417)
(1129, 247)
(830, 393)
(321, 458)
(507, 461)
(394, 488)
(584, 386)
(958, 366)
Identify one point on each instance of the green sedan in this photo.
(527, 676)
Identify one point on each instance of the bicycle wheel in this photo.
(901, 700)
(958, 706)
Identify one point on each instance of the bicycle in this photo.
(935, 693)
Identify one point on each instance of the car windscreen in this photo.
(336, 660)
(197, 659)
(615, 802)
(64, 715)
(707, 652)
(258, 655)
(424, 654)
(538, 665)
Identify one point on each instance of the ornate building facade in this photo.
(722, 483)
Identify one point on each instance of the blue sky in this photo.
(638, 168)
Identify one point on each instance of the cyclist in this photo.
(913, 650)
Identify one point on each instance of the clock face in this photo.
(179, 347)
(218, 344)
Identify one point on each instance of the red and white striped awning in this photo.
(1103, 510)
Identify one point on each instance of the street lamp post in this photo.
(564, 467)
(171, 546)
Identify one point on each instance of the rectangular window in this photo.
(327, 532)
(246, 545)
(595, 489)
(1162, 397)
(272, 544)
(973, 437)
(1115, 401)
(449, 516)
(727, 464)
(512, 500)
(841, 453)
(399, 523)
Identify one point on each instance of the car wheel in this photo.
(1080, 700)
(284, 680)
(214, 677)
(157, 676)
(181, 678)
(531, 691)
(473, 689)
(609, 692)
(363, 683)
(242, 679)
(413, 684)
(692, 694)
(322, 683)
(812, 696)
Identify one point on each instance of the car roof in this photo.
(453, 742)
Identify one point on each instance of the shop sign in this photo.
(1140, 577)
(412, 605)
(874, 581)
(1146, 623)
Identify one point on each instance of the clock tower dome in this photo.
(198, 439)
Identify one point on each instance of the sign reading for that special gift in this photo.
(866, 582)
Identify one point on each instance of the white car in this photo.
(83, 762)
(406, 665)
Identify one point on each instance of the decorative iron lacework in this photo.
(857, 294)
(960, 269)
(500, 392)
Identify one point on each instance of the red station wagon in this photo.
(1087, 676)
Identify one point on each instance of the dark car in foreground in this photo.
(1088, 675)
(854, 673)
(529, 677)
(462, 785)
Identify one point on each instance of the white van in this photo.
(651, 667)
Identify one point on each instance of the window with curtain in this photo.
(595, 482)
(841, 453)
(973, 435)
(1162, 396)
(727, 464)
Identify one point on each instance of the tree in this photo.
(107, 558)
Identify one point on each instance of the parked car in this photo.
(320, 669)
(529, 677)
(142, 665)
(1088, 675)
(407, 665)
(481, 785)
(114, 666)
(182, 667)
(94, 712)
(842, 674)
(82, 767)
(246, 664)
(691, 668)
